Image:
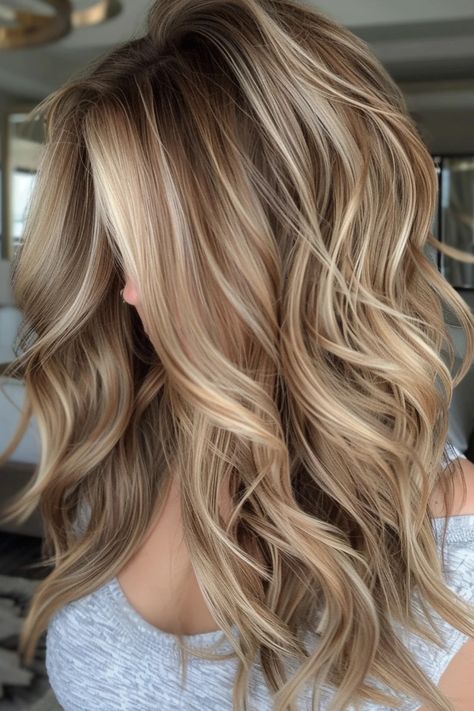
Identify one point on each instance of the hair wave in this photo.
(254, 168)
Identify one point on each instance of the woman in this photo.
(253, 454)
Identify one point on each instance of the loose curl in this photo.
(253, 167)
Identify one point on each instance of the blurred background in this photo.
(428, 48)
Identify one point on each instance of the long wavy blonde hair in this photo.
(254, 169)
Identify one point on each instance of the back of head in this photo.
(254, 169)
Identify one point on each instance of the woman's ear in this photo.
(130, 293)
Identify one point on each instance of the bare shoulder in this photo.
(457, 681)
(463, 500)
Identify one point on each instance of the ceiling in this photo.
(417, 40)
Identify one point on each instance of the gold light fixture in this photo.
(20, 28)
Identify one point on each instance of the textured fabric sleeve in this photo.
(453, 452)
(458, 568)
(458, 565)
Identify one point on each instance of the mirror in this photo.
(21, 149)
(22, 141)
(456, 216)
(453, 221)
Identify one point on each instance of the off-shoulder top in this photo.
(102, 655)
